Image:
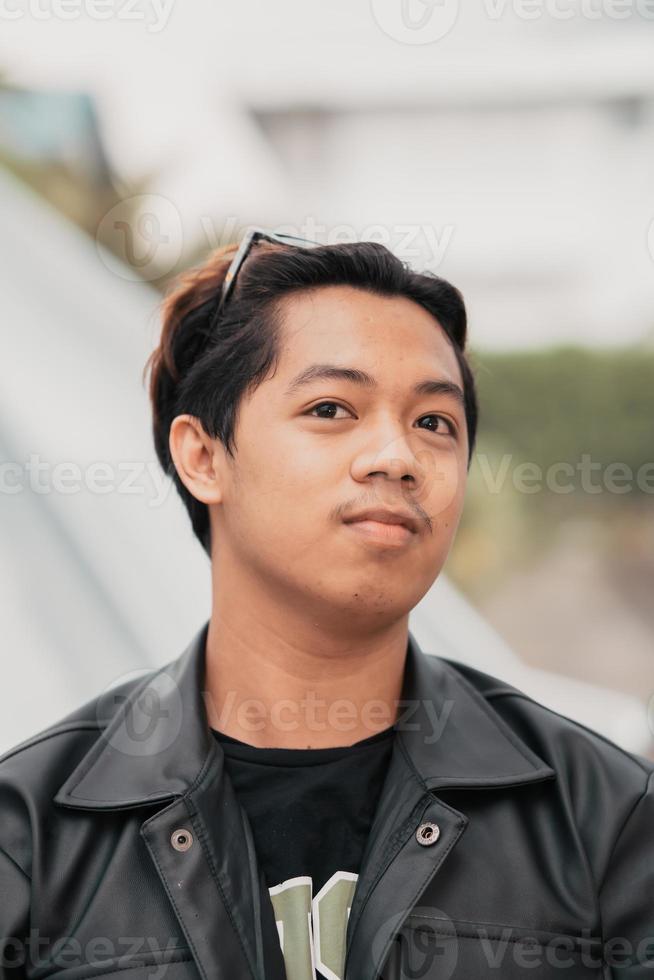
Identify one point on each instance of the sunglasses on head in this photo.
(251, 237)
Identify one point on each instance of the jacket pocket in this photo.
(430, 948)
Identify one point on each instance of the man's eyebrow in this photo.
(331, 372)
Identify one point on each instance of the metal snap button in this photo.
(428, 833)
(181, 839)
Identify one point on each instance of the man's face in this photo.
(309, 457)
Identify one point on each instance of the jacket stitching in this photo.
(527, 938)
(177, 912)
(443, 856)
(518, 778)
(199, 829)
(162, 875)
(389, 855)
(400, 831)
(198, 825)
(496, 925)
(420, 807)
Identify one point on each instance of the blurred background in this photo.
(508, 147)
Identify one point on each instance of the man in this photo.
(303, 792)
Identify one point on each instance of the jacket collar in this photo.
(155, 744)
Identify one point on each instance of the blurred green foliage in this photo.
(556, 404)
(548, 408)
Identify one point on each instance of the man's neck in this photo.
(274, 679)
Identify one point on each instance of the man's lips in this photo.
(382, 532)
(391, 516)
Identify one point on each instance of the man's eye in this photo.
(451, 428)
(322, 405)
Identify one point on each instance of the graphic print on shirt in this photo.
(312, 931)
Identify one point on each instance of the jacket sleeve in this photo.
(14, 919)
(627, 895)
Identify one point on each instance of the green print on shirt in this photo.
(312, 932)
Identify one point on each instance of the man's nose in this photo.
(390, 454)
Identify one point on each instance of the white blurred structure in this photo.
(95, 585)
(516, 148)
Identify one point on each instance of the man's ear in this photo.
(197, 458)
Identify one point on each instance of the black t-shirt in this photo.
(310, 811)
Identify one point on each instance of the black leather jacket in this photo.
(124, 852)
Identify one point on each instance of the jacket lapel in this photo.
(446, 736)
(156, 747)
